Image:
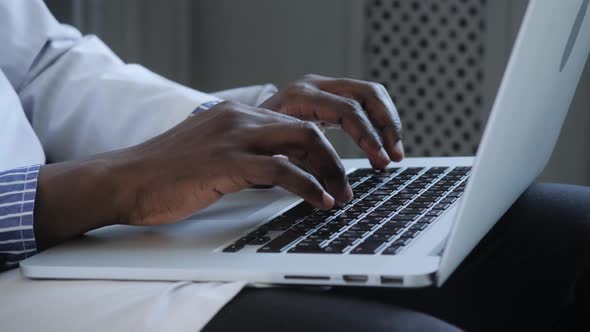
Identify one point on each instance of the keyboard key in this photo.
(367, 247)
(402, 241)
(434, 213)
(341, 243)
(233, 248)
(379, 214)
(396, 223)
(412, 170)
(404, 217)
(415, 211)
(420, 205)
(300, 210)
(351, 235)
(259, 240)
(363, 226)
(333, 249)
(421, 225)
(306, 248)
(441, 206)
(280, 242)
(426, 219)
(449, 200)
(380, 237)
(392, 250)
(425, 199)
(415, 229)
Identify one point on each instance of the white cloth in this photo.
(66, 305)
(78, 96)
(66, 96)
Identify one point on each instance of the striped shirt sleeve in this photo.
(205, 106)
(17, 201)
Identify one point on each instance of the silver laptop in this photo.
(408, 226)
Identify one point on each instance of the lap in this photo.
(530, 272)
(300, 309)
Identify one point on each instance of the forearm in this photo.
(75, 197)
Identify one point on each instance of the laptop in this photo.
(408, 226)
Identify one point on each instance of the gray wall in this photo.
(217, 44)
(248, 42)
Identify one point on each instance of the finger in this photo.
(263, 115)
(317, 105)
(376, 101)
(268, 170)
(304, 142)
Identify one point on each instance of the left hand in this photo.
(363, 109)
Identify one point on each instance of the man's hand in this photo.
(220, 151)
(363, 109)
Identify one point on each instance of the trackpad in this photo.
(242, 204)
(226, 219)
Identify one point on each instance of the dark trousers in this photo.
(530, 273)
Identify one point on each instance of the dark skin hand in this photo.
(222, 150)
(363, 109)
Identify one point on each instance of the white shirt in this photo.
(66, 96)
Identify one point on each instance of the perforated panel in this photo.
(429, 55)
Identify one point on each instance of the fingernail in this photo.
(348, 193)
(399, 150)
(327, 200)
(383, 156)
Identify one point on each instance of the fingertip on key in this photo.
(327, 200)
(399, 153)
(383, 158)
(348, 193)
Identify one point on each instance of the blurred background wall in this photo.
(441, 60)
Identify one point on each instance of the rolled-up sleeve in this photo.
(17, 202)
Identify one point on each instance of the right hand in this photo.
(223, 150)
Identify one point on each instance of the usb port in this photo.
(390, 280)
(355, 278)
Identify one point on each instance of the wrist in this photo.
(73, 198)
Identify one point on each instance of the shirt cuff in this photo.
(205, 106)
(17, 202)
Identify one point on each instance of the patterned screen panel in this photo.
(429, 55)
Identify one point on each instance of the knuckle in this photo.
(357, 116)
(377, 88)
(227, 105)
(228, 109)
(311, 131)
(278, 171)
(297, 89)
(353, 105)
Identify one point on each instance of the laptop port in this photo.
(355, 278)
(390, 280)
(300, 277)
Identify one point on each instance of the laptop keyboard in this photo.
(389, 210)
